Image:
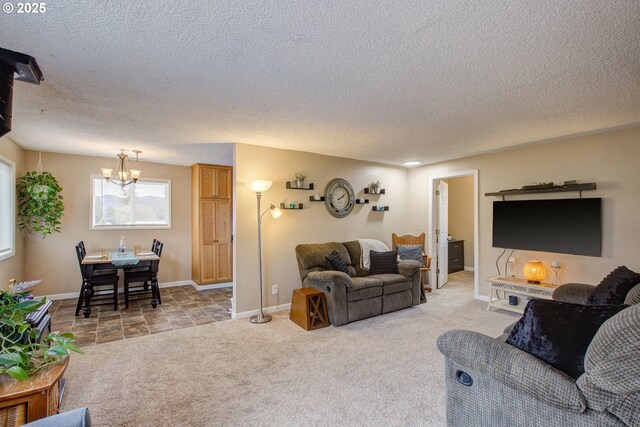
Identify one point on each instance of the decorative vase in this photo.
(299, 183)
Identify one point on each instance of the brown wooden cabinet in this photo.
(211, 223)
(22, 402)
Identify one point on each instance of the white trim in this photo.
(468, 269)
(212, 286)
(271, 309)
(75, 295)
(130, 227)
(11, 250)
(433, 179)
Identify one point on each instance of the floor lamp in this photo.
(259, 187)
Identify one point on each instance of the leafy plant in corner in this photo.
(40, 205)
(22, 354)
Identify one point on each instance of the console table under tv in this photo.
(519, 287)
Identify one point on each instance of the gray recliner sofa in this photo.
(357, 294)
(490, 382)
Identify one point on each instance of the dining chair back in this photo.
(139, 280)
(100, 286)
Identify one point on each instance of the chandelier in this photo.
(123, 177)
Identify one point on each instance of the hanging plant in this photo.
(40, 206)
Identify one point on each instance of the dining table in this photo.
(95, 261)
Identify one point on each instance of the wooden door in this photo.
(207, 240)
(223, 241)
(207, 182)
(223, 183)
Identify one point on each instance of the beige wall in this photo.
(461, 214)
(13, 268)
(310, 225)
(609, 159)
(53, 259)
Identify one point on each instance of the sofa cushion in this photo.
(614, 288)
(358, 283)
(364, 287)
(559, 333)
(389, 278)
(336, 262)
(355, 253)
(413, 252)
(633, 296)
(612, 374)
(364, 293)
(392, 288)
(312, 256)
(383, 262)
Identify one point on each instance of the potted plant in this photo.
(375, 186)
(299, 179)
(22, 352)
(40, 204)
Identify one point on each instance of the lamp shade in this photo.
(259, 185)
(534, 271)
(275, 212)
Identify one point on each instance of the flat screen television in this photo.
(568, 226)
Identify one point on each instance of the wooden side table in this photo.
(22, 402)
(309, 309)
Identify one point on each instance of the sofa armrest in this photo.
(411, 269)
(573, 293)
(75, 418)
(512, 367)
(408, 267)
(334, 284)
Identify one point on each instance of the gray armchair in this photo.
(491, 383)
(579, 293)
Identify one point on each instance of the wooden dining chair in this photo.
(101, 288)
(409, 240)
(139, 280)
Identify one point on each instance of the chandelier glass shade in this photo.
(124, 175)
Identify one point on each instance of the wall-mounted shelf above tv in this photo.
(557, 189)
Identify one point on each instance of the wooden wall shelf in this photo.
(559, 189)
(294, 187)
(358, 202)
(368, 191)
(298, 207)
(321, 199)
(380, 208)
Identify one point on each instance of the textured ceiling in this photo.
(379, 80)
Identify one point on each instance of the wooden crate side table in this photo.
(22, 402)
(309, 309)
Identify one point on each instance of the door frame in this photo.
(432, 214)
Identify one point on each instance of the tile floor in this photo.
(182, 307)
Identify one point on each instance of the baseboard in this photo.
(271, 309)
(75, 295)
(469, 269)
(482, 298)
(211, 286)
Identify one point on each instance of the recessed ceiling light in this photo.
(411, 163)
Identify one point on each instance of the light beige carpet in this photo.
(380, 371)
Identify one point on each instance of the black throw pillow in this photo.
(614, 288)
(560, 333)
(383, 262)
(336, 262)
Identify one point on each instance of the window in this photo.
(7, 208)
(145, 204)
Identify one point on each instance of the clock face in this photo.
(339, 197)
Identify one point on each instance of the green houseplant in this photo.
(40, 205)
(22, 354)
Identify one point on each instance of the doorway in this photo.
(453, 227)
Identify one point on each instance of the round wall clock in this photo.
(339, 197)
